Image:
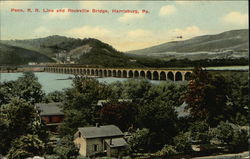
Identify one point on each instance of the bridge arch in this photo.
(170, 76)
(149, 75)
(187, 76)
(130, 74)
(114, 73)
(155, 75)
(109, 73)
(124, 73)
(178, 76)
(163, 75)
(142, 74)
(136, 74)
(119, 73)
(92, 72)
(100, 74)
(96, 73)
(105, 73)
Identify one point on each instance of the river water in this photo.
(55, 82)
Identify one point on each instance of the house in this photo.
(51, 114)
(107, 140)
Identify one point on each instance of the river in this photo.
(55, 82)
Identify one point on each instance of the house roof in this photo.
(49, 108)
(100, 132)
(116, 142)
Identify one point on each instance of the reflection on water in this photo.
(55, 82)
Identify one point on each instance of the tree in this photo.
(183, 142)
(55, 96)
(28, 88)
(238, 95)
(167, 151)
(19, 118)
(121, 114)
(26, 146)
(207, 96)
(200, 132)
(66, 148)
(161, 119)
(79, 103)
(232, 135)
(138, 141)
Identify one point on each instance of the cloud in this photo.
(89, 31)
(167, 10)
(139, 33)
(127, 17)
(41, 31)
(186, 33)
(58, 15)
(91, 4)
(236, 18)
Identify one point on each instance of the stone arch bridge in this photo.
(151, 74)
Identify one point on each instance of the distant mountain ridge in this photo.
(235, 40)
(87, 51)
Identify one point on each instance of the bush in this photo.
(200, 132)
(183, 142)
(139, 140)
(167, 151)
(26, 146)
(233, 136)
(239, 141)
(66, 148)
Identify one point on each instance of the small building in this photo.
(51, 114)
(106, 140)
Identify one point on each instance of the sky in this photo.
(162, 22)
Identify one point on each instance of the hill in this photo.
(87, 51)
(220, 45)
(12, 55)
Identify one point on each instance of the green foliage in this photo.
(238, 97)
(19, 118)
(200, 132)
(161, 119)
(26, 87)
(167, 151)
(138, 142)
(240, 140)
(55, 96)
(66, 148)
(232, 135)
(224, 132)
(207, 97)
(121, 114)
(183, 142)
(79, 103)
(12, 55)
(26, 146)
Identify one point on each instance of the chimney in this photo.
(110, 141)
(97, 125)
